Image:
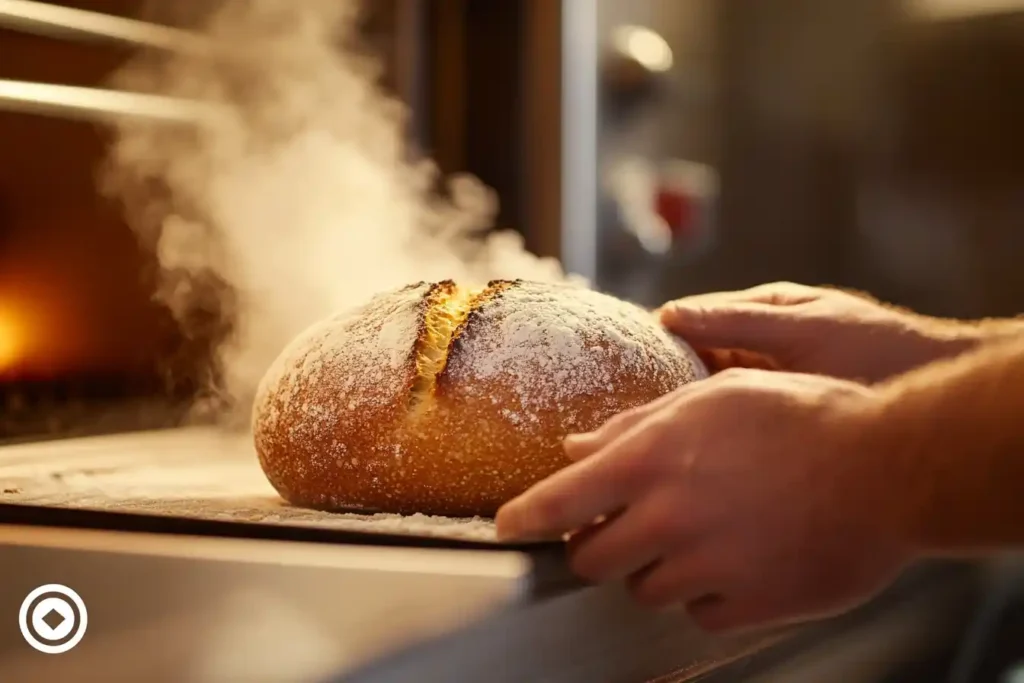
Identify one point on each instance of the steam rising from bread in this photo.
(299, 198)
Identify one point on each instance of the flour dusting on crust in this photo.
(558, 342)
(449, 401)
(364, 348)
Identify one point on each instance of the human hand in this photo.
(811, 330)
(752, 497)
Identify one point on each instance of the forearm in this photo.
(945, 338)
(955, 433)
(929, 339)
(975, 333)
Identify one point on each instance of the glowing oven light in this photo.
(14, 338)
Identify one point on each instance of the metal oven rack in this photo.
(95, 104)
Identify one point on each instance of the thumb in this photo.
(582, 445)
(749, 326)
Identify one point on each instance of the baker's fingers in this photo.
(579, 446)
(630, 541)
(772, 294)
(753, 327)
(724, 319)
(678, 578)
(718, 360)
(582, 536)
(585, 490)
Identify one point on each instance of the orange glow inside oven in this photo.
(30, 342)
(72, 300)
(15, 333)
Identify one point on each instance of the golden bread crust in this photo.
(441, 400)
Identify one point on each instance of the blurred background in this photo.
(656, 147)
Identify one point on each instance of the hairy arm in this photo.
(989, 331)
(822, 331)
(949, 337)
(955, 430)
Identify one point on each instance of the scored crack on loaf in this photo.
(441, 399)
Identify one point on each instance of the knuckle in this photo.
(619, 420)
(785, 288)
(551, 508)
(732, 374)
(587, 564)
(645, 469)
(668, 522)
(646, 463)
(648, 593)
(785, 292)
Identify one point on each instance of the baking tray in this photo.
(197, 481)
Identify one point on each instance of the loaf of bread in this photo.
(441, 399)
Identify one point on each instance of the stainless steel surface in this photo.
(599, 635)
(190, 610)
(588, 636)
(98, 105)
(579, 137)
(67, 22)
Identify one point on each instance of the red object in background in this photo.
(683, 195)
(678, 210)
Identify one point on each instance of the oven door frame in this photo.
(547, 65)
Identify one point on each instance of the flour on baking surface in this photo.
(266, 510)
(194, 473)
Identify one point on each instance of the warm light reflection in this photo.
(29, 343)
(645, 46)
(14, 335)
(937, 10)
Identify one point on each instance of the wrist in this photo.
(944, 339)
(921, 341)
(952, 338)
(947, 441)
(889, 441)
(918, 427)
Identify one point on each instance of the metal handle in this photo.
(94, 104)
(66, 22)
(102, 106)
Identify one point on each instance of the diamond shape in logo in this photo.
(53, 619)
